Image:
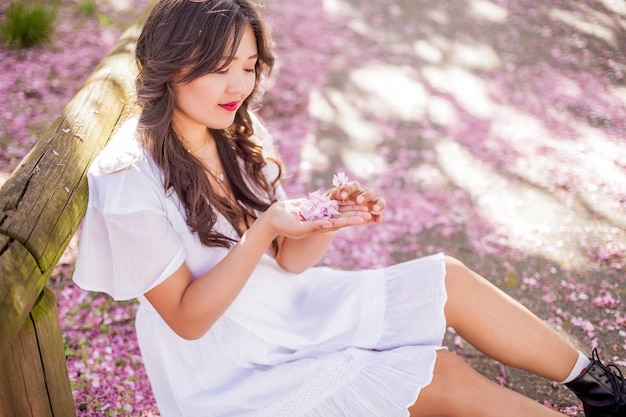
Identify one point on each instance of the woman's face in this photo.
(213, 99)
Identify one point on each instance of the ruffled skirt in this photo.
(323, 344)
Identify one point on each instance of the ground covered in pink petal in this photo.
(496, 130)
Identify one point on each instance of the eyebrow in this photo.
(255, 56)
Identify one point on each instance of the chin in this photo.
(221, 125)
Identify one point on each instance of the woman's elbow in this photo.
(291, 267)
(189, 331)
(189, 335)
(296, 269)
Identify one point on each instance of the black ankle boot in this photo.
(601, 388)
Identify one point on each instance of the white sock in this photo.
(581, 364)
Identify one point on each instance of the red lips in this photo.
(232, 106)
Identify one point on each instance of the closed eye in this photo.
(251, 70)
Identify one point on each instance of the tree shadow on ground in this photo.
(494, 129)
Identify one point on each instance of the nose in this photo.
(237, 83)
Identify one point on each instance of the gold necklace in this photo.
(219, 177)
(205, 142)
(215, 173)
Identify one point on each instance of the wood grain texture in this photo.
(41, 206)
(34, 375)
(45, 198)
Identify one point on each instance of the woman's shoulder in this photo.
(121, 175)
(122, 152)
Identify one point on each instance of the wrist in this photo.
(263, 225)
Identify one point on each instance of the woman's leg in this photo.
(457, 390)
(502, 328)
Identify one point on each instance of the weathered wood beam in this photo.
(44, 200)
(36, 385)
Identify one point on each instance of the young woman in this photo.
(186, 213)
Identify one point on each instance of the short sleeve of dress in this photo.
(127, 243)
(265, 139)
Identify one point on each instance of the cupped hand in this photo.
(352, 195)
(284, 221)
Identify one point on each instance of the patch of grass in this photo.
(89, 7)
(27, 25)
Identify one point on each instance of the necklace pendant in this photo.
(220, 176)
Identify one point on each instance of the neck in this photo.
(196, 142)
(206, 152)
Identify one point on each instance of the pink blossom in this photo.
(317, 206)
(340, 179)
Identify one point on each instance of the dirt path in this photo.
(495, 129)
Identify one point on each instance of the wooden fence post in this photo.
(41, 206)
(36, 384)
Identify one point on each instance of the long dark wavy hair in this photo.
(196, 35)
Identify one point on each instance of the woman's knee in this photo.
(447, 368)
(456, 269)
(458, 277)
(453, 262)
(437, 398)
(462, 285)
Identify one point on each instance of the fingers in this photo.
(353, 199)
(353, 191)
(365, 196)
(349, 215)
(365, 199)
(350, 191)
(286, 222)
(379, 205)
(346, 220)
(357, 206)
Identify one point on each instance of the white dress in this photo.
(324, 343)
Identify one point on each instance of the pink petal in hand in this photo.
(318, 206)
(340, 179)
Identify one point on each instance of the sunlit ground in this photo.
(496, 130)
(451, 84)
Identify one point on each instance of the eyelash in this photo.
(225, 71)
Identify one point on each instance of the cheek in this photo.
(251, 84)
(201, 89)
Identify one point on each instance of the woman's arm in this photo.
(297, 255)
(191, 306)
